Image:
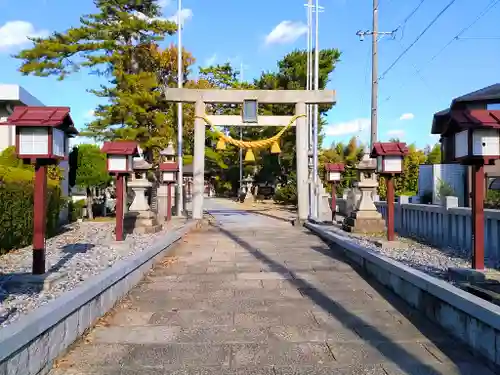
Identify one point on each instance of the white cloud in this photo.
(348, 127)
(396, 133)
(407, 116)
(286, 32)
(185, 15)
(211, 60)
(16, 33)
(90, 114)
(164, 3)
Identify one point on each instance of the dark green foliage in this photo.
(287, 194)
(16, 208)
(91, 167)
(76, 210)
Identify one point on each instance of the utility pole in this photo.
(374, 102)
(180, 78)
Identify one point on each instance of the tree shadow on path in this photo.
(406, 361)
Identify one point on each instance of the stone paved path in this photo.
(259, 296)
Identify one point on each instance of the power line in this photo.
(489, 7)
(408, 17)
(417, 39)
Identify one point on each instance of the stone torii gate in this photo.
(201, 97)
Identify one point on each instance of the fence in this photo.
(444, 225)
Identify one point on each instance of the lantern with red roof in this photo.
(42, 137)
(389, 157)
(333, 174)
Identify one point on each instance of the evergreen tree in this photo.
(118, 43)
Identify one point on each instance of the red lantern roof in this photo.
(389, 149)
(334, 167)
(169, 166)
(42, 116)
(120, 148)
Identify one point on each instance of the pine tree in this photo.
(118, 43)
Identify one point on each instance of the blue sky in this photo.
(222, 30)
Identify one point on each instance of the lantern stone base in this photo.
(141, 222)
(364, 222)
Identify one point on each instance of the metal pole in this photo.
(180, 177)
(374, 104)
(241, 158)
(316, 116)
(309, 111)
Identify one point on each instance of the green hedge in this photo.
(16, 207)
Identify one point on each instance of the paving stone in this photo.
(312, 333)
(178, 356)
(322, 370)
(280, 355)
(263, 276)
(192, 318)
(438, 369)
(280, 293)
(273, 317)
(262, 297)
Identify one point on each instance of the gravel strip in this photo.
(431, 260)
(82, 251)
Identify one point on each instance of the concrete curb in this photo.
(30, 345)
(472, 320)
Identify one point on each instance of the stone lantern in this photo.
(365, 218)
(140, 218)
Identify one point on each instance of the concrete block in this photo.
(465, 274)
(84, 319)
(411, 294)
(18, 364)
(497, 347)
(481, 337)
(453, 320)
(38, 353)
(71, 330)
(56, 341)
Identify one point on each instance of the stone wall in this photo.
(468, 318)
(30, 345)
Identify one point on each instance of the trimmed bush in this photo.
(16, 207)
(76, 209)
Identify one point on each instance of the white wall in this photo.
(453, 174)
(7, 133)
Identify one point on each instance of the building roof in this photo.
(120, 148)
(389, 149)
(17, 96)
(485, 94)
(42, 116)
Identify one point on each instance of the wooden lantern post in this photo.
(169, 169)
(471, 137)
(333, 174)
(389, 157)
(169, 177)
(42, 138)
(120, 156)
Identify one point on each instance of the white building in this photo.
(11, 96)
